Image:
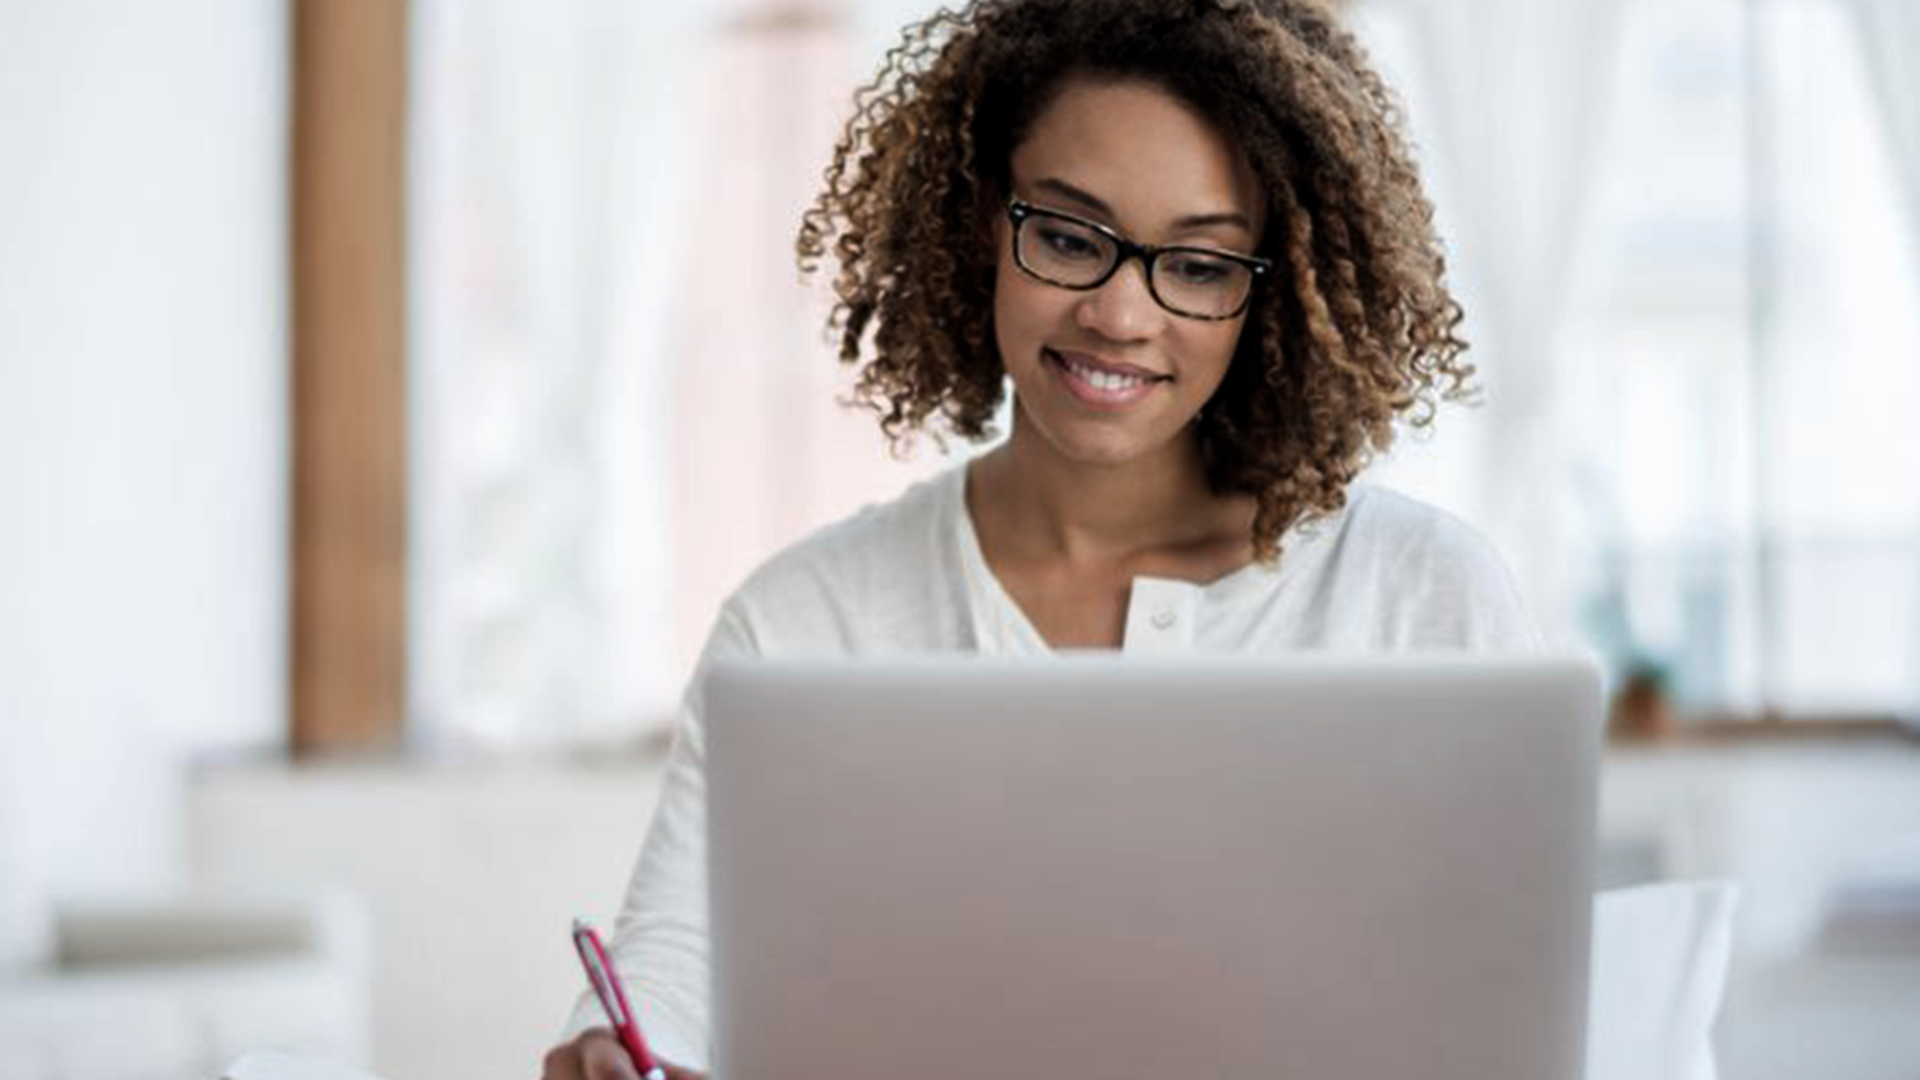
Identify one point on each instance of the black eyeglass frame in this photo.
(1019, 212)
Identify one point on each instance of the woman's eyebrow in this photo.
(1093, 202)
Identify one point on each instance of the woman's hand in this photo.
(598, 1055)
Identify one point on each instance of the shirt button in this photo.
(1164, 620)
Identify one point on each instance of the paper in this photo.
(1659, 965)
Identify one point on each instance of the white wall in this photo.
(142, 425)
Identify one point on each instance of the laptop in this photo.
(1128, 869)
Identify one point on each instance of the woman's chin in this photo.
(1094, 441)
(1104, 446)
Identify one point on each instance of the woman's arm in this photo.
(660, 943)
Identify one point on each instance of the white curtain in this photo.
(624, 398)
(1890, 43)
(545, 174)
(1512, 105)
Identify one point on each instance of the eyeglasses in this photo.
(1074, 253)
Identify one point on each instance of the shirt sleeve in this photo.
(660, 939)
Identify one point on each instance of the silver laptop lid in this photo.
(1105, 867)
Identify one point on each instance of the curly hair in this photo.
(1357, 329)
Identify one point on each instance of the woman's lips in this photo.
(1102, 388)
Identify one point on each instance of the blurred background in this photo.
(389, 392)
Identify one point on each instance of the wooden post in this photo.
(349, 375)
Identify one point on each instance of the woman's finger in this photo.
(562, 1063)
(603, 1058)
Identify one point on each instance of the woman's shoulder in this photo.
(1396, 528)
(1438, 580)
(872, 540)
(879, 558)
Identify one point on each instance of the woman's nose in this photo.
(1123, 307)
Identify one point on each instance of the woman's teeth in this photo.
(1103, 380)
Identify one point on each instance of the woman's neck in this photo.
(1038, 504)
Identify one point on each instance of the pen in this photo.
(613, 998)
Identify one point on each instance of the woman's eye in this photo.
(1072, 245)
(1198, 270)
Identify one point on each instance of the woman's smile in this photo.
(1100, 384)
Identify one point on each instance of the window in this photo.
(1739, 377)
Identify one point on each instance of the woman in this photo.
(1189, 234)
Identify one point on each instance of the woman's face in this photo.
(1108, 376)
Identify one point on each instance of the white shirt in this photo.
(1385, 574)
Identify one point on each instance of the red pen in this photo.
(613, 997)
